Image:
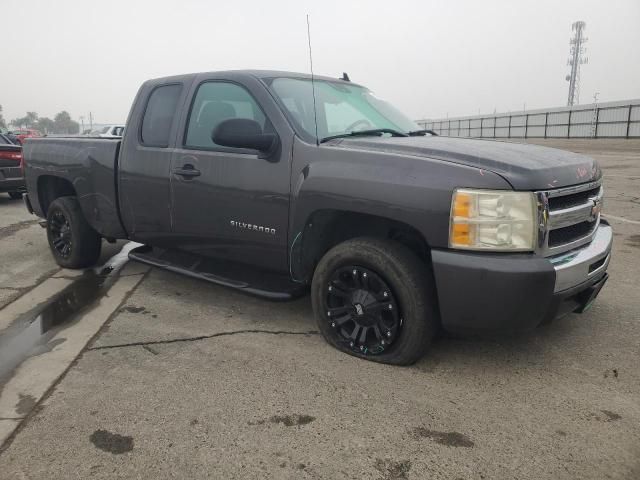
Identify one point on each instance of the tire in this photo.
(15, 195)
(72, 241)
(394, 276)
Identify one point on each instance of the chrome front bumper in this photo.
(589, 262)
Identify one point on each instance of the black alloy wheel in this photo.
(61, 237)
(73, 242)
(362, 310)
(373, 298)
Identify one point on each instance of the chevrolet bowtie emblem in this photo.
(596, 208)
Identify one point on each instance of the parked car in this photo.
(270, 183)
(108, 131)
(12, 138)
(11, 177)
(24, 133)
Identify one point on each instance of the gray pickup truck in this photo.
(270, 183)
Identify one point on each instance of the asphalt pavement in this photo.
(154, 375)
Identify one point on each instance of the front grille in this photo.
(571, 233)
(568, 217)
(572, 200)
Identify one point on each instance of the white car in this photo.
(108, 131)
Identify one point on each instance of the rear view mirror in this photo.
(243, 133)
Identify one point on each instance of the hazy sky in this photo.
(429, 58)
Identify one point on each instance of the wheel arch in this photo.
(51, 187)
(325, 228)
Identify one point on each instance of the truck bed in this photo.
(88, 165)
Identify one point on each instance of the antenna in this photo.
(576, 58)
(313, 83)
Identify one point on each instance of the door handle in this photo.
(187, 171)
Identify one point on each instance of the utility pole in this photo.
(91, 121)
(576, 59)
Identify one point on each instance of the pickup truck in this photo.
(107, 131)
(278, 183)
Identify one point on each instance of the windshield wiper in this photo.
(373, 131)
(416, 133)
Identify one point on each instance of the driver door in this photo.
(227, 202)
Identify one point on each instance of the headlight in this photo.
(493, 220)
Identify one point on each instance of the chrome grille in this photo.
(568, 217)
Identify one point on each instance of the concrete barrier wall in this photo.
(602, 120)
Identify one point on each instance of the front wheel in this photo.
(73, 242)
(375, 299)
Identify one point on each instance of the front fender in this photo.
(413, 190)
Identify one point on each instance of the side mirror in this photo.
(243, 133)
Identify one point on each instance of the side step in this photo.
(229, 274)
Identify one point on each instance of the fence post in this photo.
(628, 121)
(449, 128)
(494, 126)
(526, 124)
(569, 124)
(595, 132)
(546, 120)
(509, 131)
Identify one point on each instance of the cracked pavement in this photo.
(174, 377)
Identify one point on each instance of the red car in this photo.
(26, 133)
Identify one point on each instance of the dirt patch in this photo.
(111, 442)
(25, 404)
(16, 227)
(450, 439)
(611, 416)
(393, 470)
(633, 241)
(292, 420)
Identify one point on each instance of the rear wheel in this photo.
(375, 299)
(73, 242)
(15, 195)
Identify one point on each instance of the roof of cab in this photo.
(261, 74)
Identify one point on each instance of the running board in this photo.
(221, 272)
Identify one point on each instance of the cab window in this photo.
(216, 102)
(158, 116)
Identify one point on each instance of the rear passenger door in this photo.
(145, 164)
(235, 204)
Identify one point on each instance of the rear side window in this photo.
(158, 116)
(215, 102)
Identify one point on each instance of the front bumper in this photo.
(514, 292)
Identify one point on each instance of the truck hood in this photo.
(524, 166)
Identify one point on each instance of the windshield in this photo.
(341, 108)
